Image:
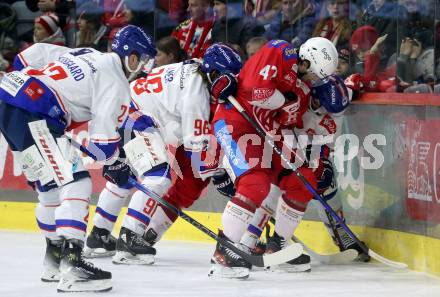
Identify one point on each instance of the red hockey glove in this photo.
(224, 86)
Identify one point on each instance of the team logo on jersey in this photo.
(34, 90)
(328, 123)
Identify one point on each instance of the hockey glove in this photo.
(326, 179)
(117, 173)
(224, 86)
(355, 83)
(224, 184)
(290, 115)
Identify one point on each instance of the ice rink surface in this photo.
(181, 270)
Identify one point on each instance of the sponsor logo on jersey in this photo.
(13, 81)
(92, 67)
(34, 90)
(328, 123)
(289, 53)
(277, 43)
(169, 75)
(262, 93)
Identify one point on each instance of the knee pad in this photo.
(254, 185)
(295, 189)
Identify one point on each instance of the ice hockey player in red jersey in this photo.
(271, 92)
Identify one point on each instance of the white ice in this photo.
(181, 270)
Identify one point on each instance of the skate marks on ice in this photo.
(181, 270)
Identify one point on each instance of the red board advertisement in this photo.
(423, 170)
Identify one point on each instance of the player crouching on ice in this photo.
(171, 108)
(55, 89)
(278, 100)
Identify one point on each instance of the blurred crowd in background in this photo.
(383, 45)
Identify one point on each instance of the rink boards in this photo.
(419, 252)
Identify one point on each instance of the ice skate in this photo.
(51, 261)
(132, 249)
(301, 264)
(100, 243)
(78, 275)
(227, 264)
(345, 242)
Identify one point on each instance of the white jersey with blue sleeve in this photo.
(89, 86)
(177, 98)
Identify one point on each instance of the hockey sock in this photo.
(45, 213)
(142, 207)
(71, 216)
(109, 205)
(237, 216)
(161, 221)
(287, 218)
(261, 217)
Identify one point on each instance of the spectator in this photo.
(47, 30)
(384, 16)
(367, 46)
(336, 25)
(59, 7)
(168, 51)
(110, 38)
(194, 34)
(410, 50)
(294, 23)
(254, 44)
(344, 67)
(235, 30)
(90, 29)
(263, 10)
(176, 9)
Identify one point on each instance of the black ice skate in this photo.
(345, 242)
(301, 264)
(132, 249)
(100, 243)
(78, 275)
(227, 264)
(51, 261)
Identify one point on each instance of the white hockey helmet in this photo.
(322, 55)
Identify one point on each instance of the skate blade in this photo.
(97, 253)
(72, 285)
(50, 276)
(220, 271)
(289, 268)
(128, 259)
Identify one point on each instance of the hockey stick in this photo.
(312, 190)
(282, 256)
(343, 257)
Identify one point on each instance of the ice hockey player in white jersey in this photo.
(172, 109)
(54, 89)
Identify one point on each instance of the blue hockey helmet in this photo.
(221, 58)
(133, 40)
(332, 94)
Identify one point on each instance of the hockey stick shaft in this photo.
(260, 261)
(309, 187)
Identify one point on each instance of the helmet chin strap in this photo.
(137, 70)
